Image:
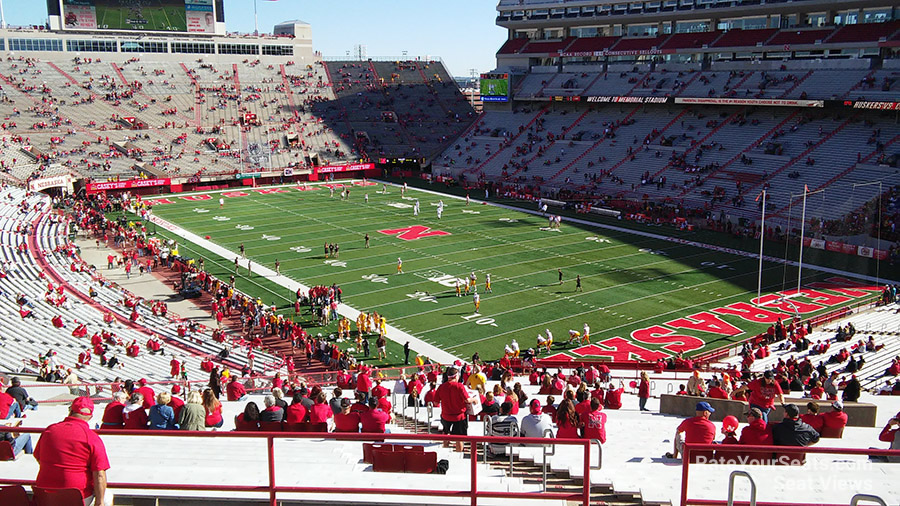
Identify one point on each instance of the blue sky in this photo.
(461, 32)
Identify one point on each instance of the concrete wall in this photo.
(859, 414)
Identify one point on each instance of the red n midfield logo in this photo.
(414, 232)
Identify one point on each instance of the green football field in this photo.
(637, 291)
(158, 17)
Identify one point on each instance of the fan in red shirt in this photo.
(835, 420)
(374, 419)
(134, 415)
(696, 430)
(431, 397)
(614, 396)
(147, 392)
(757, 432)
(71, 455)
(321, 410)
(235, 390)
(346, 420)
(812, 417)
(644, 391)
(175, 402)
(296, 412)
(364, 383)
(763, 392)
(112, 414)
(454, 399)
(594, 422)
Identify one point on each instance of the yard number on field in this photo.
(479, 321)
(375, 278)
(422, 296)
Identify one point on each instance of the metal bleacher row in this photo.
(882, 323)
(786, 149)
(181, 103)
(28, 338)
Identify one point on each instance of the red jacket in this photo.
(644, 389)
(235, 391)
(757, 433)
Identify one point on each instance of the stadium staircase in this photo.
(714, 174)
(836, 177)
(699, 143)
(859, 84)
(56, 264)
(750, 188)
(526, 464)
(796, 85)
(511, 140)
(118, 72)
(547, 146)
(645, 145)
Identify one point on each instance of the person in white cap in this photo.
(835, 420)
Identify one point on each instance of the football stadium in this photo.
(662, 248)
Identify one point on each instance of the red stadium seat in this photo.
(271, 426)
(388, 461)
(420, 462)
(14, 495)
(315, 427)
(369, 448)
(6, 451)
(57, 496)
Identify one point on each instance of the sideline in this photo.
(676, 240)
(416, 345)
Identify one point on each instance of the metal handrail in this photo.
(273, 489)
(745, 474)
(548, 433)
(867, 497)
(599, 454)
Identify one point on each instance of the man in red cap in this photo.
(71, 455)
(147, 392)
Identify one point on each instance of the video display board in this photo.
(494, 87)
(190, 16)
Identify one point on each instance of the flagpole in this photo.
(255, 20)
(802, 229)
(762, 234)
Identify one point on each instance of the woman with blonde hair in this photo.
(162, 416)
(546, 385)
(644, 391)
(193, 415)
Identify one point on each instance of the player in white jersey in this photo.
(515, 348)
(586, 336)
(440, 210)
(549, 339)
(477, 300)
(542, 343)
(416, 208)
(367, 198)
